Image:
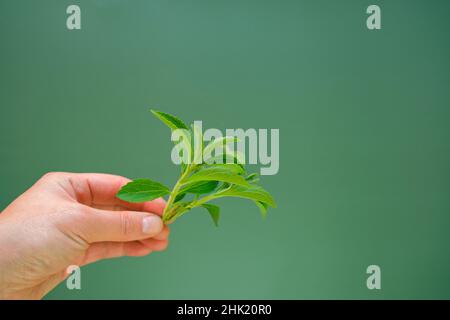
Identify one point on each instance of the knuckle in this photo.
(52, 175)
(126, 223)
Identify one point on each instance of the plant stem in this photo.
(174, 192)
(201, 201)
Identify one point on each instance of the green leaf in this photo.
(184, 134)
(179, 197)
(214, 212)
(141, 190)
(236, 168)
(171, 121)
(252, 178)
(200, 187)
(253, 192)
(219, 174)
(262, 207)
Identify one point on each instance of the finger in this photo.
(96, 225)
(155, 206)
(155, 245)
(99, 190)
(107, 250)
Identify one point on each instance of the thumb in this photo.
(98, 225)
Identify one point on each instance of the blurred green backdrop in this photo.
(364, 119)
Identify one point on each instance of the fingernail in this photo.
(151, 225)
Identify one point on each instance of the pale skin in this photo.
(69, 219)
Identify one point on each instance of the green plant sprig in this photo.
(203, 180)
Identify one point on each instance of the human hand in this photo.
(71, 219)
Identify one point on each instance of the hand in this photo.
(71, 219)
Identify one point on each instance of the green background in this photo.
(364, 119)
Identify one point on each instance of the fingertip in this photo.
(143, 252)
(155, 245)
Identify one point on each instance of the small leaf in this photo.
(262, 207)
(141, 190)
(217, 174)
(200, 187)
(252, 178)
(214, 212)
(236, 168)
(253, 192)
(183, 134)
(171, 121)
(179, 197)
